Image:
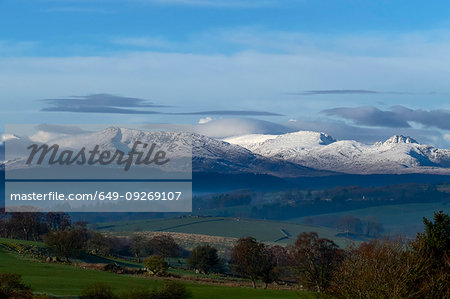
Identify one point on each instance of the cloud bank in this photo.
(113, 104)
(100, 103)
(223, 128)
(228, 127)
(355, 92)
(396, 117)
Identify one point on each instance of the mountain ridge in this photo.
(397, 155)
(296, 154)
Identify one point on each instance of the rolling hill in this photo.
(262, 230)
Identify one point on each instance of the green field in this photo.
(403, 218)
(66, 280)
(262, 230)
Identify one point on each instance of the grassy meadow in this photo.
(262, 230)
(403, 219)
(68, 281)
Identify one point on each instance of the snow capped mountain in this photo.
(113, 138)
(302, 153)
(398, 154)
(271, 145)
(208, 154)
(396, 139)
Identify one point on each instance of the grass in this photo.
(403, 218)
(57, 279)
(67, 280)
(262, 230)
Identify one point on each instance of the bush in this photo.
(98, 290)
(205, 259)
(395, 269)
(11, 286)
(373, 270)
(155, 265)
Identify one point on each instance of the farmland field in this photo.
(403, 218)
(262, 230)
(67, 280)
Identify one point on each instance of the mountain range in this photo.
(298, 154)
(397, 155)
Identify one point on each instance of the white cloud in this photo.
(228, 127)
(244, 80)
(42, 136)
(5, 137)
(204, 120)
(241, 81)
(447, 138)
(343, 131)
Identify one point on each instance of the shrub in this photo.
(155, 265)
(98, 290)
(373, 270)
(395, 269)
(11, 286)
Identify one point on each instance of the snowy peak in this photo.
(400, 139)
(326, 139)
(5, 137)
(398, 154)
(306, 138)
(290, 141)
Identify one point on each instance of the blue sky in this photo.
(356, 69)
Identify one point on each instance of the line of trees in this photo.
(71, 242)
(381, 268)
(386, 268)
(67, 239)
(311, 259)
(293, 204)
(161, 245)
(32, 225)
